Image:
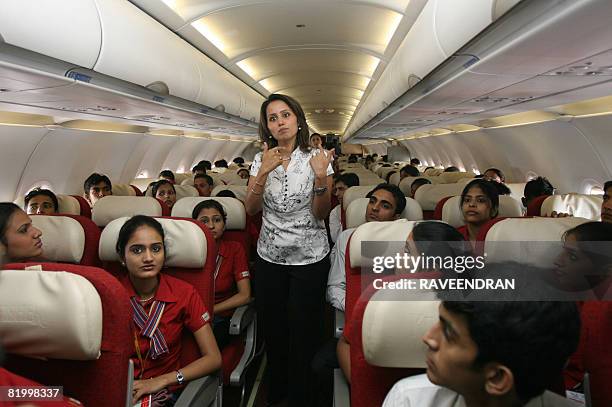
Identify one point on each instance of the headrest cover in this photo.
(58, 316)
(395, 179)
(113, 207)
(452, 177)
(239, 190)
(354, 193)
(68, 205)
(236, 214)
(406, 183)
(527, 230)
(584, 206)
(517, 190)
(395, 231)
(123, 190)
(452, 214)
(187, 181)
(183, 191)
(185, 242)
(392, 330)
(141, 183)
(428, 196)
(63, 238)
(355, 213)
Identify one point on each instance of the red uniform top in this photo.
(464, 231)
(184, 308)
(232, 268)
(12, 380)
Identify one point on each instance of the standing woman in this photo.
(291, 183)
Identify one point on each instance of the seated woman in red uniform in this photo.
(19, 240)
(479, 204)
(165, 192)
(232, 277)
(163, 307)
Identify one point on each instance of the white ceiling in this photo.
(325, 53)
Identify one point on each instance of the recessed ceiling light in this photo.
(300, 25)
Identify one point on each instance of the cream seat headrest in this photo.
(239, 190)
(392, 331)
(183, 191)
(584, 206)
(395, 179)
(354, 193)
(356, 212)
(428, 196)
(452, 214)
(123, 190)
(525, 232)
(142, 183)
(517, 190)
(395, 231)
(452, 177)
(185, 242)
(58, 316)
(406, 183)
(63, 238)
(113, 207)
(236, 214)
(68, 205)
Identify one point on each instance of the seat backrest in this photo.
(526, 232)
(239, 190)
(73, 205)
(179, 177)
(369, 179)
(85, 336)
(395, 179)
(68, 239)
(355, 213)
(142, 183)
(452, 214)
(517, 189)
(433, 171)
(452, 177)
(383, 350)
(406, 183)
(190, 256)
(235, 226)
(113, 207)
(123, 190)
(584, 206)
(354, 193)
(429, 195)
(183, 191)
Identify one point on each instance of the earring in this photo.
(299, 128)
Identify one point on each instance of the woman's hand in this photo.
(270, 159)
(320, 162)
(144, 387)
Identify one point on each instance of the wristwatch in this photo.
(179, 377)
(320, 190)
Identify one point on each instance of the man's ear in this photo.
(499, 379)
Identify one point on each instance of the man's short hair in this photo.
(238, 160)
(452, 168)
(95, 179)
(352, 159)
(398, 195)
(419, 181)
(208, 178)
(199, 167)
(221, 164)
(349, 179)
(41, 191)
(415, 161)
(537, 187)
(533, 339)
(607, 185)
(207, 164)
(411, 170)
(167, 174)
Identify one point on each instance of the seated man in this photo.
(40, 201)
(199, 169)
(243, 173)
(387, 202)
(606, 205)
(416, 184)
(97, 186)
(415, 161)
(492, 354)
(204, 184)
(206, 164)
(536, 187)
(341, 184)
(494, 174)
(167, 175)
(238, 160)
(409, 171)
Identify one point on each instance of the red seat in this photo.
(437, 214)
(73, 205)
(113, 207)
(533, 209)
(98, 382)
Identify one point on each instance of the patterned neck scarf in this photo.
(148, 323)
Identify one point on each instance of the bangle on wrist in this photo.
(261, 185)
(320, 190)
(255, 192)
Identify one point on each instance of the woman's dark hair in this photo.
(129, 227)
(452, 168)
(488, 188)
(207, 164)
(167, 174)
(303, 135)
(432, 238)
(155, 186)
(226, 193)
(41, 191)
(7, 210)
(209, 204)
(499, 173)
(238, 160)
(593, 238)
(221, 163)
(398, 195)
(349, 179)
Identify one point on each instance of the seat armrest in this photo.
(242, 318)
(342, 393)
(200, 392)
(338, 323)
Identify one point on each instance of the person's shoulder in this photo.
(178, 285)
(419, 391)
(345, 234)
(231, 247)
